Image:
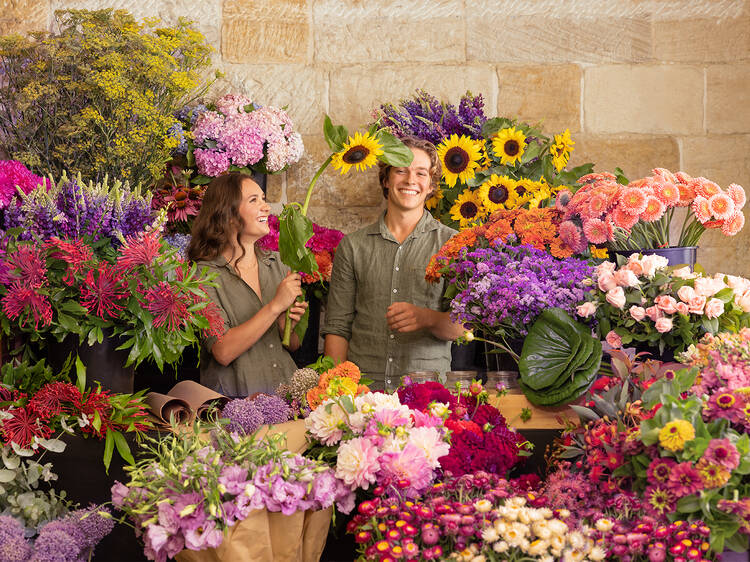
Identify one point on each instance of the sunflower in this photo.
(361, 152)
(484, 159)
(434, 201)
(498, 192)
(561, 149)
(459, 157)
(467, 209)
(508, 145)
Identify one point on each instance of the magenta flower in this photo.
(658, 500)
(659, 470)
(13, 175)
(684, 480)
(138, 250)
(29, 265)
(725, 404)
(102, 292)
(409, 464)
(723, 453)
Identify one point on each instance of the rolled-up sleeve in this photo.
(342, 293)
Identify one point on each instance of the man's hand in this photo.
(406, 317)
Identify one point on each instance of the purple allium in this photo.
(68, 526)
(56, 546)
(10, 527)
(180, 242)
(243, 415)
(14, 549)
(94, 526)
(274, 409)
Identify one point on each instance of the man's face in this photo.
(409, 188)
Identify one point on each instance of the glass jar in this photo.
(508, 379)
(423, 376)
(463, 377)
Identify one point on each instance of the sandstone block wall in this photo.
(640, 83)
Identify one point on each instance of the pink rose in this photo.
(634, 264)
(616, 297)
(606, 281)
(684, 273)
(686, 292)
(651, 263)
(586, 309)
(637, 313)
(666, 303)
(743, 300)
(696, 304)
(654, 313)
(613, 339)
(605, 267)
(714, 308)
(663, 325)
(705, 287)
(682, 308)
(738, 284)
(626, 278)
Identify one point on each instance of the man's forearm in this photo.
(442, 327)
(336, 347)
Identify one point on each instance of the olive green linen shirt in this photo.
(371, 270)
(266, 364)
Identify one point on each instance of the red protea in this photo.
(139, 250)
(23, 426)
(168, 305)
(27, 302)
(53, 399)
(103, 292)
(73, 252)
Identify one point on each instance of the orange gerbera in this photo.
(687, 194)
(734, 224)
(737, 193)
(595, 231)
(667, 193)
(721, 205)
(597, 205)
(654, 209)
(623, 219)
(704, 188)
(633, 200)
(701, 210)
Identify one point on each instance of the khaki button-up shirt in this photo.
(371, 270)
(266, 364)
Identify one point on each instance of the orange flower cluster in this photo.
(324, 258)
(341, 379)
(535, 227)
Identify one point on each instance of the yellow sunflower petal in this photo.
(467, 209)
(360, 151)
(509, 145)
(561, 149)
(459, 157)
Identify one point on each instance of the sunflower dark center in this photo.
(355, 154)
(520, 189)
(456, 159)
(469, 210)
(511, 147)
(498, 194)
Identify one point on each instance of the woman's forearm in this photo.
(239, 339)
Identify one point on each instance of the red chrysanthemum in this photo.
(27, 265)
(168, 305)
(23, 427)
(27, 302)
(139, 250)
(73, 252)
(53, 399)
(103, 291)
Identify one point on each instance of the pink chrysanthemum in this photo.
(29, 265)
(24, 300)
(684, 480)
(633, 200)
(733, 224)
(701, 210)
(597, 205)
(102, 292)
(737, 193)
(723, 453)
(596, 231)
(704, 188)
(168, 305)
(139, 250)
(667, 193)
(721, 206)
(654, 209)
(623, 219)
(75, 253)
(659, 470)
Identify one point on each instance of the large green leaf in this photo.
(395, 153)
(295, 229)
(335, 135)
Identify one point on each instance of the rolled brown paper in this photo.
(163, 407)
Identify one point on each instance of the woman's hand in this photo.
(287, 292)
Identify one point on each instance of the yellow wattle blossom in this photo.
(675, 434)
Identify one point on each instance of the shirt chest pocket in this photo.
(422, 293)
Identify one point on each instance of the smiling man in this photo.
(381, 313)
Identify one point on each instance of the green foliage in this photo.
(98, 96)
(29, 377)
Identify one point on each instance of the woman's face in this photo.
(254, 211)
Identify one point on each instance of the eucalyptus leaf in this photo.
(54, 445)
(7, 475)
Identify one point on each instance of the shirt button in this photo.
(390, 360)
(275, 365)
(270, 345)
(392, 336)
(396, 268)
(395, 290)
(388, 381)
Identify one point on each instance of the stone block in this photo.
(345, 219)
(206, 15)
(275, 184)
(643, 99)
(389, 30)
(728, 98)
(353, 189)
(356, 91)
(637, 155)
(550, 94)
(265, 31)
(718, 253)
(721, 158)
(702, 40)
(301, 88)
(22, 16)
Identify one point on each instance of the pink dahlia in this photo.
(357, 462)
(409, 464)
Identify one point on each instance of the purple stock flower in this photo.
(274, 409)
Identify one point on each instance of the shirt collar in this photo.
(265, 257)
(426, 223)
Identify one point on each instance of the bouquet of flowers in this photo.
(480, 438)
(181, 200)
(644, 302)
(15, 176)
(144, 294)
(185, 492)
(488, 164)
(373, 439)
(723, 361)
(323, 246)
(638, 215)
(237, 135)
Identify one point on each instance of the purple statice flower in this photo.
(180, 242)
(178, 132)
(505, 287)
(189, 114)
(14, 175)
(56, 545)
(243, 415)
(274, 409)
(426, 117)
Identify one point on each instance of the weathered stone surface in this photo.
(206, 15)
(718, 253)
(354, 189)
(389, 30)
(637, 155)
(275, 184)
(265, 31)
(721, 158)
(301, 88)
(643, 99)
(356, 91)
(345, 219)
(22, 16)
(728, 98)
(549, 93)
(702, 40)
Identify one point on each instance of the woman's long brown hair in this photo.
(218, 218)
